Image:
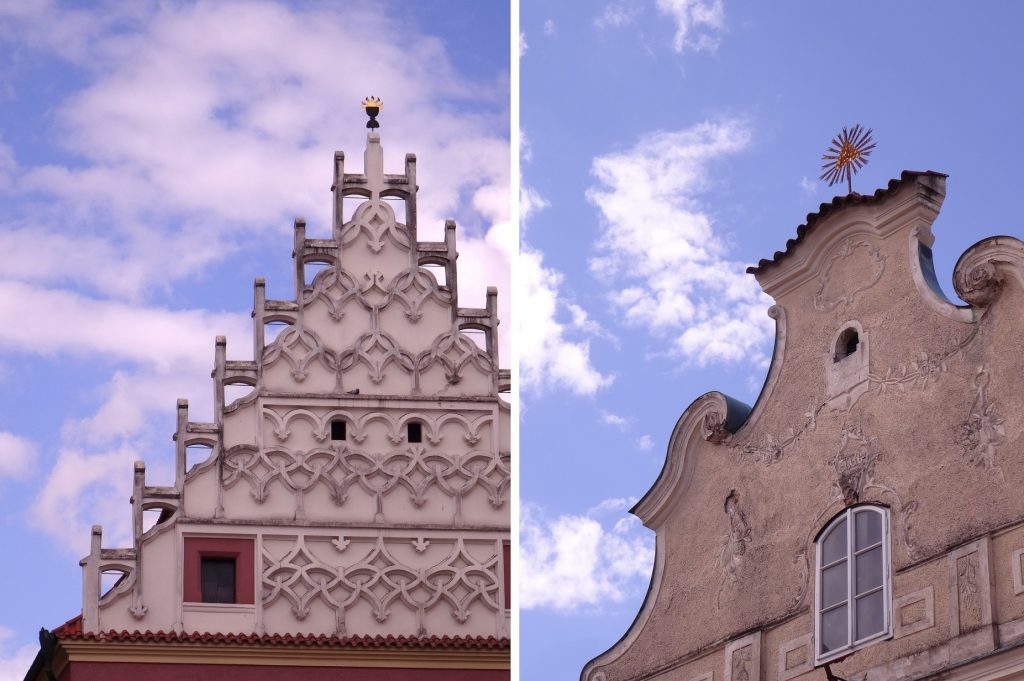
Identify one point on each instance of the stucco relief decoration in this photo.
(967, 591)
(853, 261)
(741, 664)
(907, 512)
(980, 435)
(770, 448)
(454, 351)
(379, 578)
(377, 350)
(854, 467)
(734, 544)
(854, 463)
(412, 289)
(979, 285)
(414, 470)
(334, 287)
(713, 427)
(376, 220)
(925, 370)
(299, 348)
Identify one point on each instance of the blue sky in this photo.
(671, 143)
(152, 158)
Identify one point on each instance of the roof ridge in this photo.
(836, 203)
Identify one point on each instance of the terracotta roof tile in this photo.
(837, 203)
(72, 630)
(71, 627)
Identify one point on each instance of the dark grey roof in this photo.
(837, 203)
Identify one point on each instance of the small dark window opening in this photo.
(847, 344)
(414, 432)
(337, 430)
(217, 579)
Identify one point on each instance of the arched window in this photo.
(853, 602)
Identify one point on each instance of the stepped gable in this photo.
(359, 493)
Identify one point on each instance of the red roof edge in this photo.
(72, 630)
(837, 203)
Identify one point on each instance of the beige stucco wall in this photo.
(896, 424)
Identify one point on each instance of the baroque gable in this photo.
(881, 391)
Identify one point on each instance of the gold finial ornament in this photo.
(847, 155)
(372, 105)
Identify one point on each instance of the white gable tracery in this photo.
(373, 533)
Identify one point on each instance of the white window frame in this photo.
(851, 624)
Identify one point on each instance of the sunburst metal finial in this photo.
(372, 105)
(847, 155)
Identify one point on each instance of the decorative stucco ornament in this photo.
(854, 463)
(978, 285)
(372, 105)
(858, 261)
(847, 155)
(982, 432)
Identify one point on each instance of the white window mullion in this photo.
(875, 596)
(850, 566)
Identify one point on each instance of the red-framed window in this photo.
(218, 554)
(506, 556)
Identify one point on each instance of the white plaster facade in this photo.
(372, 534)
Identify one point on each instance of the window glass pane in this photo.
(834, 546)
(869, 570)
(868, 529)
(833, 629)
(217, 580)
(414, 432)
(869, 615)
(833, 585)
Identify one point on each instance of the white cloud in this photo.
(83, 326)
(14, 665)
(166, 354)
(616, 15)
(86, 488)
(611, 419)
(202, 129)
(530, 201)
(808, 185)
(17, 456)
(549, 27)
(645, 443)
(189, 142)
(699, 23)
(660, 250)
(548, 358)
(579, 561)
(8, 165)
(523, 45)
(581, 319)
(615, 504)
